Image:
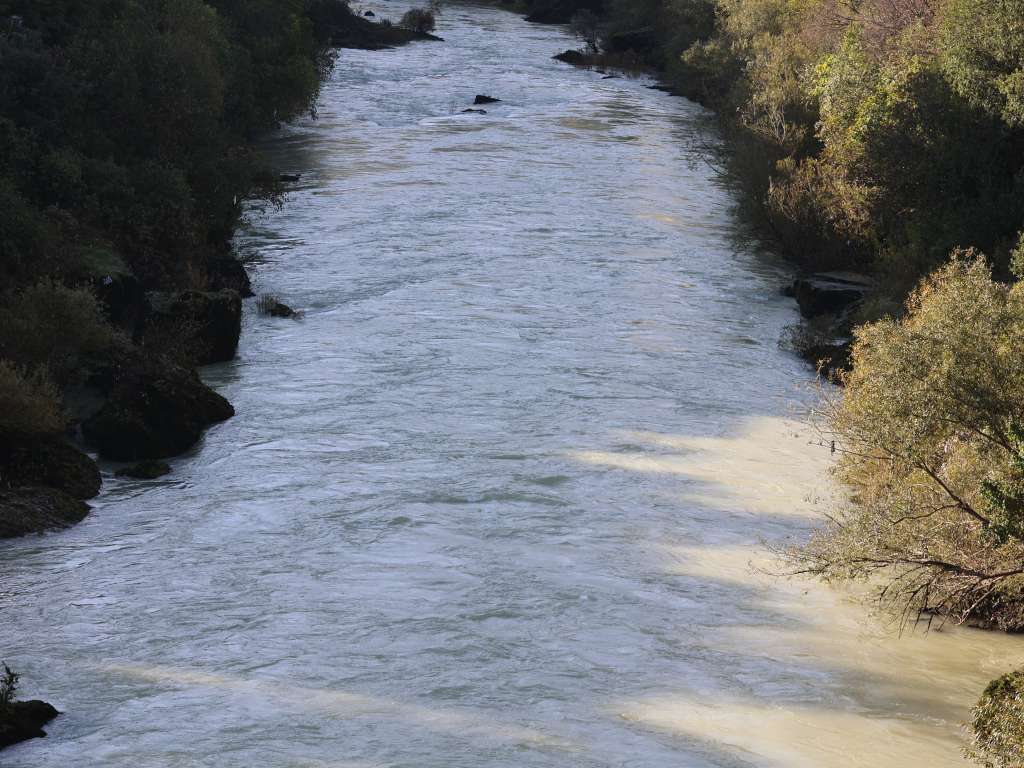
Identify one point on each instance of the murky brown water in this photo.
(493, 501)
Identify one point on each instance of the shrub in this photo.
(418, 20)
(29, 403)
(932, 449)
(997, 724)
(8, 687)
(50, 326)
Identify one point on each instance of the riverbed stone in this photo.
(37, 509)
(48, 460)
(24, 720)
(485, 99)
(207, 323)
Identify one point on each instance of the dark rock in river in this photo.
(145, 470)
(483, 99)
(37, 509)
(270, 305)
(154, 408)
(23, 720)
(227, 274)
(369, 14)
(33, 460)
(475, 111)
(290, 177)
(571, 57)
(207, 323)
(829, 293)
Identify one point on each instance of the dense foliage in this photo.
(997, 724)
(874, 134)
(933, 451)
(125, 151)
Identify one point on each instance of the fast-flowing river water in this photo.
(494, 500)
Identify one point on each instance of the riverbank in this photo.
(101, 343)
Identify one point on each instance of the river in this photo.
(499, 497)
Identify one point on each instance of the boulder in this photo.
(153, 408)
(369, 14)
(226, 273)
(206, 323)
(23, 720)
(829, 293)
(572, 57)
(37, 509)
(145, 470)
(483, 99)
(33, 460)
(270, 305)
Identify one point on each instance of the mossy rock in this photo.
(49, 460)
(37, 509)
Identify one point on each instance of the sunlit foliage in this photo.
(932, 450)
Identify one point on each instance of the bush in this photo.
(8, 687)
(932, 448)
(997, 724)
(50, 326)
(418, 20)
(29, 403)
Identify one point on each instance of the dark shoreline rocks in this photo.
(48, 460)
(207, 323)
(24, 720)
(37, 509)
(154, 408)
(829, 293)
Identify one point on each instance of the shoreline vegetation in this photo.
(127, 153)
(880, 145)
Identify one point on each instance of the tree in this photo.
(932, 451)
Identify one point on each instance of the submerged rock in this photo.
(475, 111)
(829, 293)
(34, 460)
(37, 509)
(145, 470)
(207, 323)
(23, 720)
(484, 99)
(153, 408)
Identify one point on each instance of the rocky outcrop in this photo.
(829, 293)
(226, 273)
(153, 408)
(207, 323)
(830, 359)
(23, 720)
(36, 509)
(577, 58)
(33, 460)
